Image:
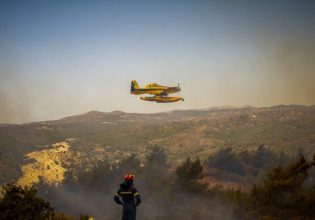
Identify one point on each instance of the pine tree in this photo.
(22, 203)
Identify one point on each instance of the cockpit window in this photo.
(152, 85)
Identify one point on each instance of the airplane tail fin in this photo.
(134, 86)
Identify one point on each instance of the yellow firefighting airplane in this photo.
(160, 92)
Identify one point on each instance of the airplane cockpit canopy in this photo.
(152, 85)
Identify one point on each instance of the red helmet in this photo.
(129, 177)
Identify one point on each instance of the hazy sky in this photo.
(59, 58)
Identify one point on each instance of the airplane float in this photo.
(160, 93)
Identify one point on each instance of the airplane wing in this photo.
(169, 90)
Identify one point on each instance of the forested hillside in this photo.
(284, 192)
(189, 133)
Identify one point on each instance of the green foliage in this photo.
(155, 172)
(286, 192)
(244, 166)
(282, 195)
(188, 174)
(156, 159)
(22, 203)
(130, 164)
(226, 160)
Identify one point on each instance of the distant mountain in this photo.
(114, 135)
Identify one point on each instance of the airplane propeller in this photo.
(179, 92)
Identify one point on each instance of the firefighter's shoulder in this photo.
(134, 191)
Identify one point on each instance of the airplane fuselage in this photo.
(155, 91)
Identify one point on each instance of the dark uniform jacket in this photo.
(130, 200)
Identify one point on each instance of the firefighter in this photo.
(130, 198)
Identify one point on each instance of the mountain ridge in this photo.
(118, 112)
